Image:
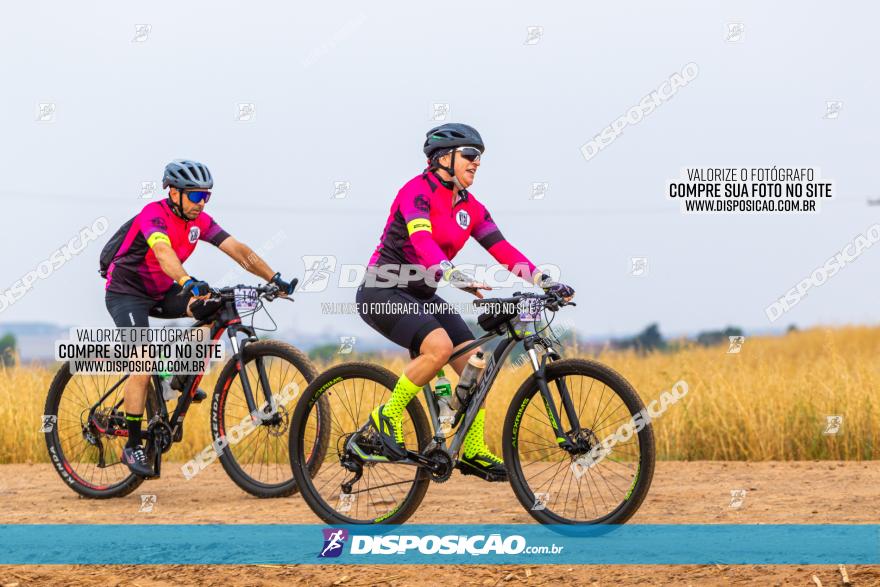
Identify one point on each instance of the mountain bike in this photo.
(84, 418)
(553, 447)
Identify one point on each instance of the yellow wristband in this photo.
(183, 280)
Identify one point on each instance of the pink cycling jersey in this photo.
(426, 229)
(135, 269)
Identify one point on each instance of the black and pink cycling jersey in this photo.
(425, 228)
(135, 270)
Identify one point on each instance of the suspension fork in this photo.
(547, 397)
(264, 383)
(262, 375)
(238, 351)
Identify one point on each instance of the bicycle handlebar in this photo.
(269, 291)
(552, 301)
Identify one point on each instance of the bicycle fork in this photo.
(547, 397)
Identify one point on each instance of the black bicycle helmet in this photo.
(184, 174)
(451, 135)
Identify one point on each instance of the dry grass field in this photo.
(771, 401)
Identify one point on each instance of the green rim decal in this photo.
(323, 388)
(635, 480)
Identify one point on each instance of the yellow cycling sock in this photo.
(403, 392)
(474, 441)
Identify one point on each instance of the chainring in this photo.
(160, 431)
(443, 465)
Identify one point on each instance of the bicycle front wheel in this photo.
(558, 487)
(255, 453)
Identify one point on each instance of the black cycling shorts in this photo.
(129, 310)
(404, 318)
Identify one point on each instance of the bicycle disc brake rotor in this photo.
(367, 440)
(585, 439)
(278, 423)
(104, 421)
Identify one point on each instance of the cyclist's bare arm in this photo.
(168, 260)
(247, 258)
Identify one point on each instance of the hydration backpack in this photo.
(108, 253)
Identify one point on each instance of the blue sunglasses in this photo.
(198, 196)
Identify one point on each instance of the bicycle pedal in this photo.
(465, 469)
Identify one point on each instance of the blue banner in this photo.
(439, 544)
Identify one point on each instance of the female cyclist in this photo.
(431, 219)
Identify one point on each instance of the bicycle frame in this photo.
(229, 322)
(493, 367)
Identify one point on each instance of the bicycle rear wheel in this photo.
(386, 492)
(557, 487)
(85, 450)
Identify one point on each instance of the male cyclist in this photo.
(431, 219)
(147, 278)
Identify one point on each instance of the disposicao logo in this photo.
(334, 540)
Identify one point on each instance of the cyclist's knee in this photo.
(138, 381)
(437, 348)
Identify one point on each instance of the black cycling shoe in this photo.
(486, 467)
(388, 435)
(137, 461)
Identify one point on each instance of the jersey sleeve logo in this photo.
(158, 237)
(463, 218)
(421, 203)
(417, 225)
(194, 233)
(159, 223)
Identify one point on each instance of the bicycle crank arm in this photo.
(418, 459)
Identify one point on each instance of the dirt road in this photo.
(696, 492)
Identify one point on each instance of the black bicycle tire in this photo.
(56, 452)
(273, 348)
(355, 370)
(528, 389)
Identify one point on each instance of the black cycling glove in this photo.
(284, 286)
(548, 285)
(194, 286)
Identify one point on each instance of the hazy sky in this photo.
(344, 91)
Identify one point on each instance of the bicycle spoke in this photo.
(382, 486)
(584, 491)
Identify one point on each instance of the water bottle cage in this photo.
(463, 403)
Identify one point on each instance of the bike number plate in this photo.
(529, 312)
(245, 299)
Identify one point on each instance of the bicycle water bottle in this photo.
(469, 377)
(443, 393)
